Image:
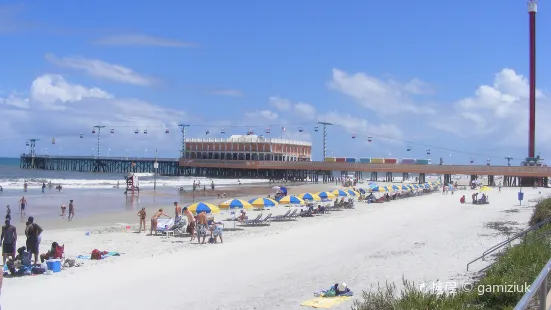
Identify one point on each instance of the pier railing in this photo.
(104, 157)
(539, 286)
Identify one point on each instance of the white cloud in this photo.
(305, 110)
(383, 97)
(142, 39)
(498, 113)
(60, 109)
(15, 100)
(101, 69)
(362, 128)
(227, 92)
(266, 114)
(280, 103)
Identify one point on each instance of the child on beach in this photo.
(63, 208)
(142, 214)
(22, 204)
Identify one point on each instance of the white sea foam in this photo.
(145, 182)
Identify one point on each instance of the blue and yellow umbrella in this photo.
(309, 196)
(291, 200)
(405, 188)
(353, 193)
(326, 195)
(395, 188)
(379, 189)
(235, 204)
(263, 202)
(340, 193)
(199, 207)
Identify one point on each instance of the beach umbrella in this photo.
(378, 189)
(199, 207)
(326, 195)
(388, 188)
(263, 202)
(340, 193)
(415, 186)
(235, 204)
(485, 189)
(395, 188)
(404, 188)
(291, 200)
(309, 196)
(352, 192)
(361, 190)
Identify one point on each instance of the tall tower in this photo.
(532, 9)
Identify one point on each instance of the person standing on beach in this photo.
(8, 213)
(154, 219)
(212, 185)
(33, 232)
(22, 205)
(25, 186)
(202, 227)
(43, 187)
(191, 223)
(71, 210)
(142, 214)
(8, 240)
(177, 213)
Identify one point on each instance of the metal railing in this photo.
(500, 245)
(542, 288)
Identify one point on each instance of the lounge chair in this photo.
(179, 228)
(259, 222)
(289, 216)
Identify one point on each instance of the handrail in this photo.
(508, 241)
(541, 284)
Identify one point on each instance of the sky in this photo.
(412, 75)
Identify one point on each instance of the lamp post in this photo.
(156, 168)
(145, 153)
(109, 153)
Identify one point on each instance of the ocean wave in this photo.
(145, 182)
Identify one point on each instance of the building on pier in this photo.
(248, 147)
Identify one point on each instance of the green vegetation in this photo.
(517, 265)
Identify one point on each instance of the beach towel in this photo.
(164, 224)
(103, 256)
(324, 302)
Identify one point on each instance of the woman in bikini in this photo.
(142, 214)
(154, 219)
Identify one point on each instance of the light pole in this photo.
(126, 153)
(183, 155)
(509, 158)
(99, 127)
(156, 168)
(109, 153)
(325, 124)
(145, 153)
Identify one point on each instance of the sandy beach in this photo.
(425, 238)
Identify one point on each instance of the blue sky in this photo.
(423, 73)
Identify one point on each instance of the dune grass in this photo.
(516, 265)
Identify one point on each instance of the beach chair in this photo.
(179, 228)
(260, 222)
(280, 218)
(163, 225)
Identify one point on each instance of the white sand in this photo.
(277, 267)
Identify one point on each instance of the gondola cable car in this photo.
(472, 161)
(488, 162)
(145, 131)
(26, 143)
(81, 135)
(223, 131)
(316, 129)
(268, 130)
(207, 133)
(136, 131)
(369, 139)
(112, 130)
(167, 131)
(93, 131)
(53, 140)
(353, 136)
(428, 151)
(300, 129)
(408, 148)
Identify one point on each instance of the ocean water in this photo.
(12, 177)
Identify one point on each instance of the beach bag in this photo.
(96, 254)
(26, 258)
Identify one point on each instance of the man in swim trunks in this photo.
(191, 223)
(154, 219)
(142, 214)
(71, 210)
(33, 232)
(22, 204)
(202, 226)
(8, 240)
(177, 212)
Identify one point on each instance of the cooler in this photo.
(54, 265)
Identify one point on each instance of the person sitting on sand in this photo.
(462, 199)
(54, 252)
(242, 217)
(202, 227)
(216, 229)
(142, 214)
(154, 219)
(63, 208)
(191, 223)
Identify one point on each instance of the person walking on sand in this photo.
(43, 187)
(33, 232)
(177, 213)
(63, 208)
(142, 214)
(8, 213)
(25, 186)
(191, 223)
(71, 210)
(154, 219)
(22, 205)
(8, 240)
